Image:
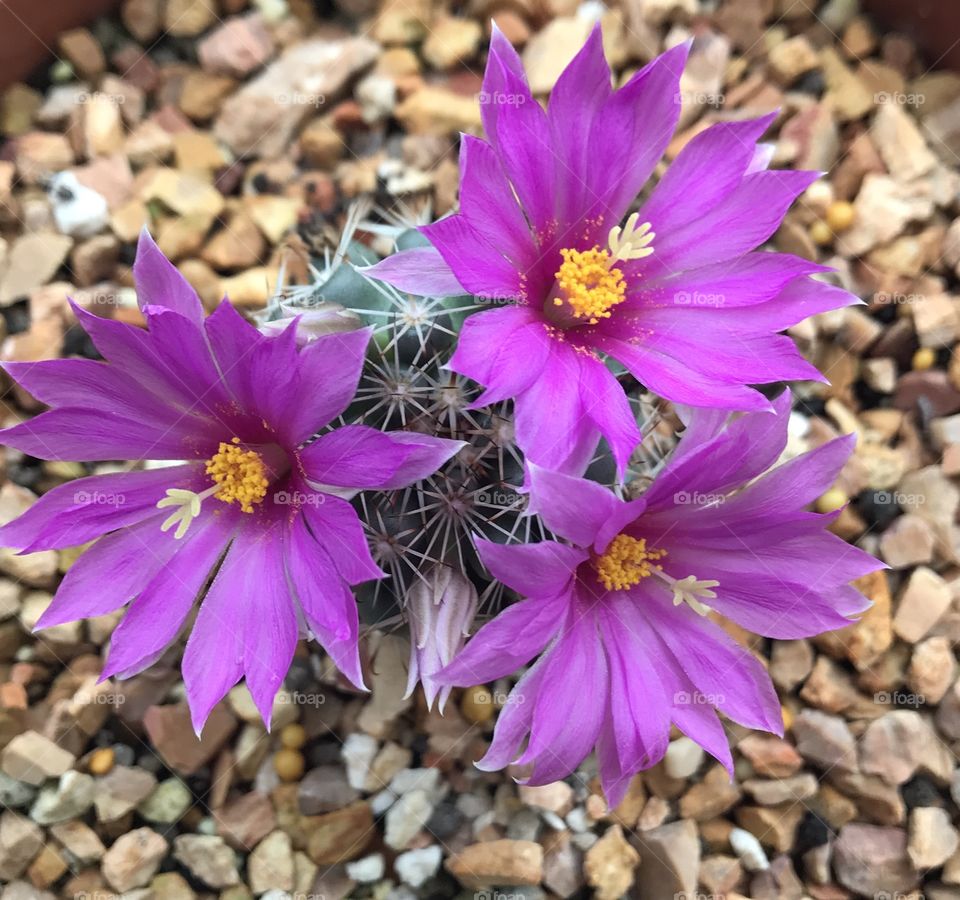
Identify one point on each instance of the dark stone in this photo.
(16, 316)
(867, 397)
(128, 254)
(876, 509)
(811, 406)
(150, 762)
(920, 791)
(125, 756)
(812, 832)
(884, 312)
(812, 83)
(229, 178)
(325, 789)
(28, 474)
(261, 184)
(445, 821)
(76, 342)
(323, 754)
(299, 678)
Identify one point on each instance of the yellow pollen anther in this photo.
(626, 562)
(589, 284)
(240, 475)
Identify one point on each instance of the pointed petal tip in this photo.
(145, 240)
(775, 724)
(197, 724)
(49, 619)
(198, 717)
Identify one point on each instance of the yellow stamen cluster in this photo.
(588, 284)
(239, 474)
(626, 562)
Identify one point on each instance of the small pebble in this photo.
(831, 500)
(477, 705)
(289, 764)
(293, 736)
(821, 233)
(101, 761)
(840, 216)
(788, 717)
(924, 359)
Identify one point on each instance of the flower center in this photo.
(239, 474)
(626, 562)
(588, 282)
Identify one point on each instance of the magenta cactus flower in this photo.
(616, 616)
(250, 506)
(676, 292)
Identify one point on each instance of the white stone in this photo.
(683, 758)
(417, 866)
(358, 753)
(406, 817)
(368, 869)
(748, 849)
(78, 210)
